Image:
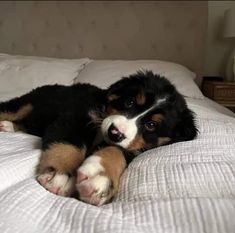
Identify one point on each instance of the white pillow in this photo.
(105, 72)
(20, 74)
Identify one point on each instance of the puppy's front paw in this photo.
(93, 184)
(57, 167)
(6, 126)
(58, 183)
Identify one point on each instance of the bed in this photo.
(184, 187)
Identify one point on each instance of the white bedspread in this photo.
(188, 187)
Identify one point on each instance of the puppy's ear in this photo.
(115, 88)
(186, 128)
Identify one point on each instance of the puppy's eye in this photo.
(150, 126)
(129, 103)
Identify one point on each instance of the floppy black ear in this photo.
(186, 128)
(115, 87)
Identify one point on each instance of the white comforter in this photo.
(185, 187)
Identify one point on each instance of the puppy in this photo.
(89, 135)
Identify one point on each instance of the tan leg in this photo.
(57, 168)
(8, 119)
(98, 177)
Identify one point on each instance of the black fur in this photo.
(61, 113)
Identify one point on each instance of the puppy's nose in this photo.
(114, 134)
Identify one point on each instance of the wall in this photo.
(218, 48)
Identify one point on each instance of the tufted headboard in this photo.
(166, 30)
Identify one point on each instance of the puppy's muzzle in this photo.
(114, 134)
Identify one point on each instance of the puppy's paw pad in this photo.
(81, 176)
(86, 190)
(57, 183)
(95, 190)
(93, 186)
(45, 178)
(6, 126)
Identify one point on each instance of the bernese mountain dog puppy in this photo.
(89, 135)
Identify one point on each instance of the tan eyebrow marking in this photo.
(141, 98)
(163, 140)
(112, 97)
(137, 143)
(112, 111)
(157, 117)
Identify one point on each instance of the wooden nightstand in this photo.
(221, 92)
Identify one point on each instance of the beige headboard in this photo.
(166, 30)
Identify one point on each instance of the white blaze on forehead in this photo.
(157, 103)
(161, 101)
(130, 125)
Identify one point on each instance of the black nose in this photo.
(114, 134)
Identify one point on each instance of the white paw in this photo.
(6, 126)
(57, 183)
(93, 186)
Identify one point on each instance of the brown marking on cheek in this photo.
(112, 111)
(112, 97)
(23, 112)
(163, 140)
(114, 163)
(137, 143)
(64, 158)
(157, 117)
(141, 98)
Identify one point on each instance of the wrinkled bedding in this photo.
(185, 187)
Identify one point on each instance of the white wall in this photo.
(218, 48)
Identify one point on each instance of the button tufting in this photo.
(34, 46)
(129, 46)
(58, 47)
(167, 24)
(140, 27)
(69, 24)
(156, 4)
(35, 4)
(81, 48)
(179, 47)
(80, 20)
(13, 46)
(104, 47)
(191, 24)
(58, 4)
(93, 23)
(21, 23)
(116, 25)
(47, 24)
(154, 47)
(106, 4)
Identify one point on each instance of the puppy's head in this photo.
(146, 111)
